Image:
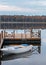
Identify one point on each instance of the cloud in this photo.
(15, 8)
(9, 8)
(36, 3)
(20, 9)
(42, 3)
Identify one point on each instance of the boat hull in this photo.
(16, 50)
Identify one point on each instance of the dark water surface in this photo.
(35, 57)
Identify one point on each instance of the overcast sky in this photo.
(23, 7)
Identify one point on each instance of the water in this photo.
(36, 57)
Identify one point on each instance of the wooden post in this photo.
(21, 35)
(4, 34)
(14, 34)
(0, 40)
(25, 33)
(39, 33)
(31, 33)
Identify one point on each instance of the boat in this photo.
(16, 49)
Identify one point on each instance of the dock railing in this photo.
(25, 35)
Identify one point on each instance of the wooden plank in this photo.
(23, 39)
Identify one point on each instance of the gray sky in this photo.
(23, 7)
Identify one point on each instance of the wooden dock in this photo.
(22, 41)
(13, 38)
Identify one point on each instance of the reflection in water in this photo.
(0, 62)
(39, 49)
(22, 55)
(0, 57)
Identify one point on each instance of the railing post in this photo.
(25, 33)
(21, 34)
(0, 40)
(39, 33)
(31, 33)
(14, 33)
(2, 34)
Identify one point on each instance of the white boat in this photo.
(17, 49)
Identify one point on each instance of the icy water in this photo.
(35, 57)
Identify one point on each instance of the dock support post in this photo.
(1, 39)
(39, 33)
(25, 33)
(21, 35)
(4, 34)
(14, 34)
(31, 33)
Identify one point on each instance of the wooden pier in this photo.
(21, 22)
(20, 38)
